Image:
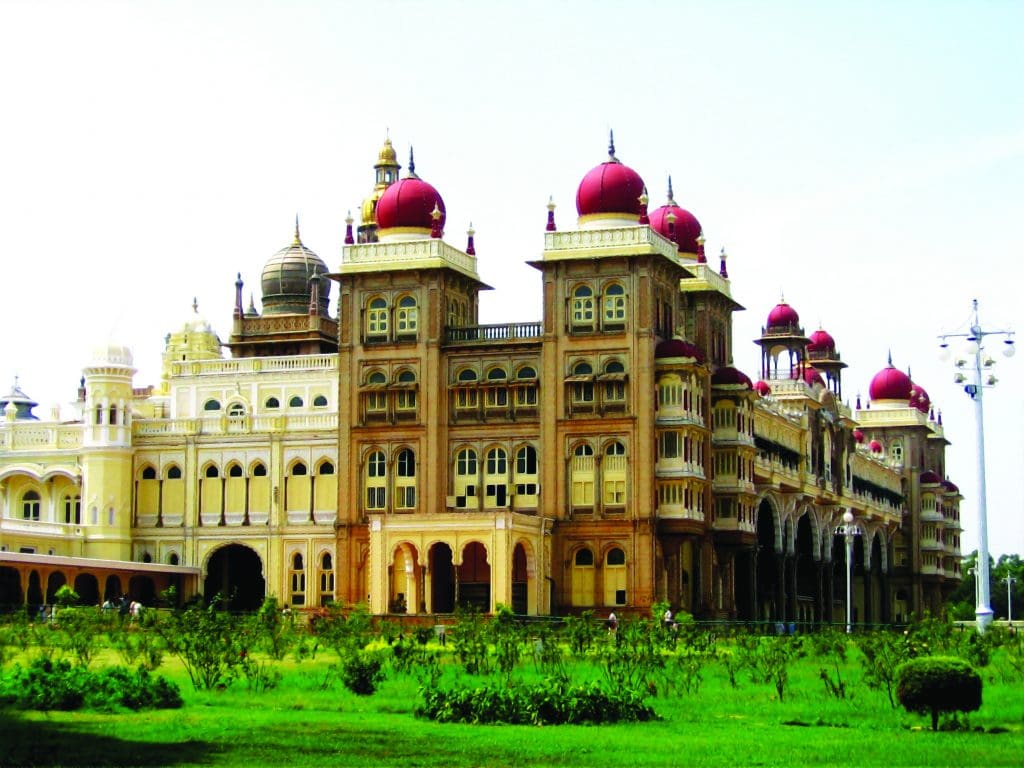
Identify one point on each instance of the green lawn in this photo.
(299, 724)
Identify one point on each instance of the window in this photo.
(30, 505)
(405, 480)
(583, 578)
(295, 402)
(497, 390)
(148, 473)
(614, 306)
(496, 478)
(272, 402)
(465, 477)
(73, 510)
(377, 319)
(614, 379)
(376, 480)
(614, 470)
(211, 471)
(173, 559)
(325, 468)
(526, 475)
(615, 577)
(113, 415)
(211, 405)
(376, 396)
(174, 473)
(407, 316)
(319, 401)
(259, 470)
(466, 395)
(326, 578)
(526, 387)
(582, 473)
(298, 469)
(235, 470)
(582, 312)
(298, 580)
(582, 379)
(405, 397)
(236, 409)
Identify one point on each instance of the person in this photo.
(667, 618)
(613, 622)
(135, 609)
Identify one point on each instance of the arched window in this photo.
(113, 415)
(615, 577)
(582, 379)
(525, 479)
(405, 396)
(377, 319)
(526, 387)
(211, 405)
(376, 480)
(467, 374)
(259, 470)
(405, 480)
(212, 471)
(496, 478)
(172, 559)
(497, 374)
(582, 472)
(466, 395)
(613, 469)
(147, 558)
(272, 402)
(407, 316)
(583, 578)
(319, 401)
(298, 580)
(295, 402)
(325, 468)
(73, 510)
(582, 310)
(326, 578)
(30, 505)
(235, 470)
(614, 305)
(614, 379)
(376, 394)
(466, 473)
(148, 473)
(298, 469)
(236, 409)
(174, 473)
(497, 391)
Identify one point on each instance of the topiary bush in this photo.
(936, 684)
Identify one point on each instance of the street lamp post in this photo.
(848, 530)
(978, 364)
(1009, 598)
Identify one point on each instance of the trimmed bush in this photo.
(935, 684)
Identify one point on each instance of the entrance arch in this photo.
(520, 581)
(769, 581)
(88, 589)
(10, 588)
(235, 572)
(112, 590)
(474, 577)
(442, 579)
(55, 582)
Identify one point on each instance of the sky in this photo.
(865, 160)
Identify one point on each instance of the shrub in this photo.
(207, 642)
(884, 652)
(938, 684)
(361, 672)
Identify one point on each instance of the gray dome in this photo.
(287, 280)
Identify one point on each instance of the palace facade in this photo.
(400, 453)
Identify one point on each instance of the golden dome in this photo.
(387, 154)
(386, 169)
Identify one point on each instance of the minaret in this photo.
(386, 170)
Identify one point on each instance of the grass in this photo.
(297, 723)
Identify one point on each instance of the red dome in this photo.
(812, 377)
(890, 384)
(919, 398)
(727, 375)
(763, 388)
(875, 446)
(611, 187)
(858, 436)
(409, 202)
(821, 341)
(930, 478)
(783, 315)
(677, 348)
(687, 228)
(950, 486)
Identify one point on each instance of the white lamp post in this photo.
(1009, 599)
(978, 364)
(848, 530)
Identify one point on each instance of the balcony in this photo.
(502, 333)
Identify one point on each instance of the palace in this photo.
(605, 456)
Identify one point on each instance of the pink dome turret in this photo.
(670, 348)
(782, 316)
(410, 205)
(891, 384)
(611, 191)
(685, 230)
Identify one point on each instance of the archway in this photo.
(112, 590)
(235, 572)
(474, 578)
(442, 579)
(88, 589)
(404, 596)
(142, 589)
(35, 591)
(520, 581)
(10, 588)
(807, 585)
(769, 607)
(53, 583)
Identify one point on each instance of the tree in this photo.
(937, 684)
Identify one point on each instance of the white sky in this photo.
(865, 159)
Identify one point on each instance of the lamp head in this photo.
(847, 517)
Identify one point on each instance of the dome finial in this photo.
(611, 146)
(644, 219)
(435, 228)
(470, 245)
(701, 258)
(890, 358)
(671, 197)
(722, 270)
(195, 305)
(297, 240)
(551, 214)
(349, 240)
(412, 164)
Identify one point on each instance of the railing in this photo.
(33, 437)
(491, 333)
(243, 365)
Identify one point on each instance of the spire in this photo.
(349, 240)
(890, 358)
(297, 241)
(412, 165)
(314, 295)
(722, 270)
(470, 246)
(551, 215)
(671, 197)
(195, 304)
(643, 208)
(611, 147)
(238, 295)
(251, 311)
